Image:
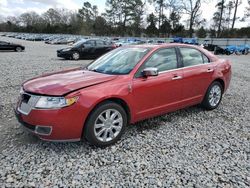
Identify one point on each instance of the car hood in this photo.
(66, 49)
(62, 83)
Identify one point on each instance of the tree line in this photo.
(129, 18)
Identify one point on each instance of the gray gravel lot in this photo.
(187, 148)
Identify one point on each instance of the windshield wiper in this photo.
(95, 70)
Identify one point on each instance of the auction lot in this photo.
(187, 148)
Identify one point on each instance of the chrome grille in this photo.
(27, 103)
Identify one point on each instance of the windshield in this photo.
(118, 61)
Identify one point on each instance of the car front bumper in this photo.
(65, 124)
(64, 54)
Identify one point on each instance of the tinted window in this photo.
(89, 43)
(164, 59)
(79, 43)
(100, 43)
(119, 61)
(191, 57)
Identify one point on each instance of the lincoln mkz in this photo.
(124, 86)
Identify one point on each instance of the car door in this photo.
(160, 94)
(89, 49)
(100, 48)
(197, 75)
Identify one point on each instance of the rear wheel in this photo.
(18, 49)
(106, 124)
(76, 56)
(213, 96)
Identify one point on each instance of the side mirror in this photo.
(151, 71)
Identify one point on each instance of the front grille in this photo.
(25, 98)
(27, 103)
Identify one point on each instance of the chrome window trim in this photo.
(182, 68)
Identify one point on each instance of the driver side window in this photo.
(89, 43)
(163, 60)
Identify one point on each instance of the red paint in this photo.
(145, 97)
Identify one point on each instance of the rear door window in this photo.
(191, 57)
(100, 43)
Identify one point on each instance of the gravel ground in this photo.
(187, 148)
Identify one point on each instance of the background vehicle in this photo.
(11, 46)
(86, 49)
(124, 86)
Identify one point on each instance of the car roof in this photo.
(163, 45)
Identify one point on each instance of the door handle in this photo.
(177, 78)
(210, 70)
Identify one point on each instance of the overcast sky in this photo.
(16, 7)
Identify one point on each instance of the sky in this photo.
(17, 7)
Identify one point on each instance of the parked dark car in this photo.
(86, 49)
(11, 46)
(214, 48)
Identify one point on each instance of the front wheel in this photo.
(76, 56)
(105, 125)
(213, 96)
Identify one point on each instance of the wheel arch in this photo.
(221, 81)
(116, 100)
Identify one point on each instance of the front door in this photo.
(89, 49)
(159, 94)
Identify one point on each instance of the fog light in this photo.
(43, 130)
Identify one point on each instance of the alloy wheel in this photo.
(108, 125)
(76, 56)
(214, 95)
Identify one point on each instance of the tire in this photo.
(237, 53)
(213, 96)
(99, 130)
(18, 49)
(76, 56)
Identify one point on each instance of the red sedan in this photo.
(124, 86)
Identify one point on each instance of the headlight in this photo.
(55, 102)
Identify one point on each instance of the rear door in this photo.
(160, 94)
(197, 75)
(100, 48)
